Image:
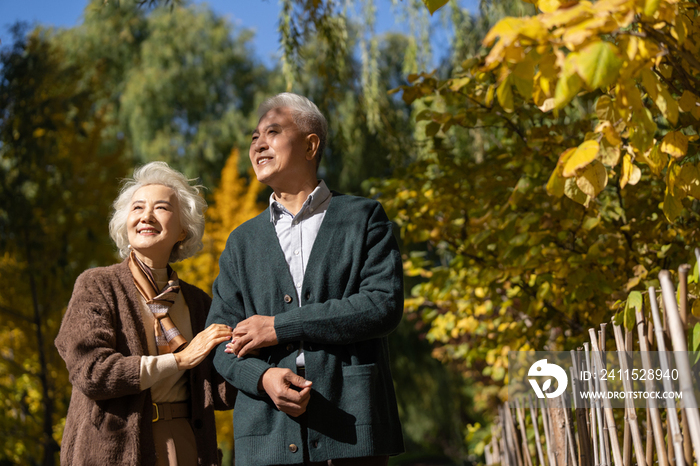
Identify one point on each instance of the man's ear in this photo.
(312, 143)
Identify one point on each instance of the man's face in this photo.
(278, 150)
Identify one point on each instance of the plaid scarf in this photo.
(168, 337)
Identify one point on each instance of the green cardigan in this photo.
(352, 298)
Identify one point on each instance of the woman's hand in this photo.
(201, 345)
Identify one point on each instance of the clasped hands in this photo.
(289, 391)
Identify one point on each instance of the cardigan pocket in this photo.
(359, 392)
(107, 421)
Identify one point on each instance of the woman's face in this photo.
(154, 225)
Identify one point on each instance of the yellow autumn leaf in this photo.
(650, 83)
(579, 34)
(611, 135)
(586, 153)
(507, 29)
(604, 108)
(631, 174)
(593, 179)
(459, 83)
(689, 180)
(573, 192)
(688, 101)
(434, 5)
(680, 29)
(548, 6)
(654, 158)
(609, 154)
(488, 101)
(523, 74)
(672, 206)
(568, 85)
(556, 183)
(547, 105)
(598, 64)
(675, 144)
(650, 7)
(571, 15)
(504, 93)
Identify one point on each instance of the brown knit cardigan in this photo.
(102, 339)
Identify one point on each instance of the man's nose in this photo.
(260, 144)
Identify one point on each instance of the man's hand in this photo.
(289, 392)
(253, 333)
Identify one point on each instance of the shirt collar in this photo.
(317, 197)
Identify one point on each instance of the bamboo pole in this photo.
(652, 403)
(592, 410)
(683, 311)
(569, 429)
(496, 451)
(505, 438)
(580, 412)
(671, 414)
(546, 426)
(535, 424)
(602, 432)
(627, 435)
(680, 349)
(523, 433)
(650, 438)
(606, 431)
(513, 436)
(631, 413)
(612, 430)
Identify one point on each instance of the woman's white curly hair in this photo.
(192, 207)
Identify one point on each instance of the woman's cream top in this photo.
(160, 372)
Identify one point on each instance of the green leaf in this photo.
(431, 129)
(434, 5)
(635, 302)
(598, 64)
(696, 337)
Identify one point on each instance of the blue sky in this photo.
(259, 15)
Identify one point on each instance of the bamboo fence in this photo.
(558, 432)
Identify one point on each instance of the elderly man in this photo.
(313, 286)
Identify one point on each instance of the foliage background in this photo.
(539, 177)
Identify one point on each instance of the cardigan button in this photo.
(290, 347)
(293, 448)
(287, 299)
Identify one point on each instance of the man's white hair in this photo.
(192, 207)
(305, 113)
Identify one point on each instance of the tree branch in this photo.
(15, 314)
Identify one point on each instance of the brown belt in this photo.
(169, 411)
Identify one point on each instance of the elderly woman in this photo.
(133, 338)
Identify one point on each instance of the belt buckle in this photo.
(155, 406)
